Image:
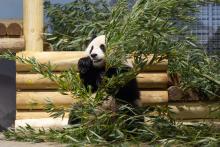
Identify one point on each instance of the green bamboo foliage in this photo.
(148, 27)
(71, 25)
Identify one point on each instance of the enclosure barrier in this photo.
(33, 90)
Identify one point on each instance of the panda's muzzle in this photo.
(96, 61)
(93, 55)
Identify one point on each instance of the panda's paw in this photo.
(84, 65)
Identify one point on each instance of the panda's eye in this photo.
(91, 49)
(102, 46)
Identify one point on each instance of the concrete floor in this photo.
(5, 143)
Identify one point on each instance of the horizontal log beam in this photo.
(25, 114)
(37, 100)
(193, 110)
(42, 123)
(65, 60)
(36, 81)
(12, 44)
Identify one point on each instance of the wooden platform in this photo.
(33, 90)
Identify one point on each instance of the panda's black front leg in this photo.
(84, 65)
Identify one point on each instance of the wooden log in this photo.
(152, 80)
(153, 97)
(33, 24)
(14, 30)
(37, 100)
(34, 114)
(12, 44)
(3, 30)
(42, 123)
(36, 81)
(65, 60)
(196, 110)
(11, 24)
(195, 122)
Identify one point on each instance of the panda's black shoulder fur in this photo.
(92, 76)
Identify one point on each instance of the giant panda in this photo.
(92, 69)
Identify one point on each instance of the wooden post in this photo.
(33, 24)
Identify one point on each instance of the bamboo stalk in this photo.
(36, 81)
(37, 100)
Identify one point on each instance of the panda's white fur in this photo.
(99, 60)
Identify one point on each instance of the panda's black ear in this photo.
(93, 37)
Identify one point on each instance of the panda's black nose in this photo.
(93, 55)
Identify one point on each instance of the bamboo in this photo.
(33, 24)
(37, 100)
(196, 110)
(12, 44)
(36, 81)
(65, 60)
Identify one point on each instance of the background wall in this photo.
(207, 27)
(13, 8)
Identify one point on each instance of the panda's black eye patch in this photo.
(91, 49)
(102, 46)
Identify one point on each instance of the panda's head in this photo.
(96, 51)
